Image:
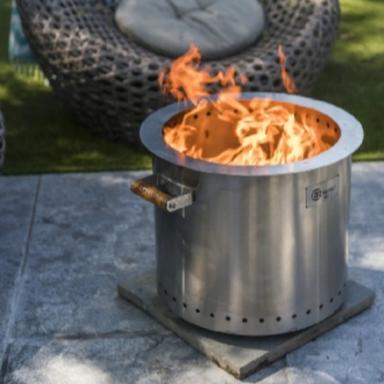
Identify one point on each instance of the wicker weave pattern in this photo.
(2, 139)
(111, 83)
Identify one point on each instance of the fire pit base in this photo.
(239, 355)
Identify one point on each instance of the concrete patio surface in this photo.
(65, 242)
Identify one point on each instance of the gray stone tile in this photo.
(306, 376)
(154, 359)
(367, 214)
(89, 230)
(353, 352)
(16, 205)
(91, 222)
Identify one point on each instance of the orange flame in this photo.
(288, 83)
(233, 131)
(187, 81)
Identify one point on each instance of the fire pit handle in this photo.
(146, 188)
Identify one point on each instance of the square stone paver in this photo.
(240, 356)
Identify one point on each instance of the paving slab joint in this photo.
(5, 363)
(19, 283)
(111, 335)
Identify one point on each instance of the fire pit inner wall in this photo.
(213, 136)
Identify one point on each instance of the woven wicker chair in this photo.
(111, 83)
(2, 139)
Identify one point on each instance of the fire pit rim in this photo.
(351, 137)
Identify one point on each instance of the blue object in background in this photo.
(18, 48)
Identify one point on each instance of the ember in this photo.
(228, 130)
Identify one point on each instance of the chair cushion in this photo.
(219, 28)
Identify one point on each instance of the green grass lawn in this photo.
(354, 77)
(42, 136)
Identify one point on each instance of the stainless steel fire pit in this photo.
(252, 250)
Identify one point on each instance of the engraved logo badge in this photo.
(316, 194)
(320, 193)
